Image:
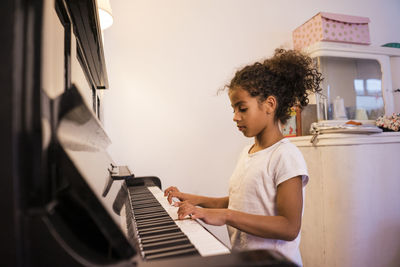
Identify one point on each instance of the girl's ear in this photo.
(270, 104)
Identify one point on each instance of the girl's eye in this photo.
(240, 110)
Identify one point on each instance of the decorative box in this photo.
(332, 27)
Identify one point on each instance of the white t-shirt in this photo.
(252, 189)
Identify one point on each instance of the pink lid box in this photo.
(332, 27)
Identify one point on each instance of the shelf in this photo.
(317, 48)
(340, 139)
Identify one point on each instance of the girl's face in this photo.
(251, 116)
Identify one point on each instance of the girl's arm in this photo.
(196, 200)
(285, 225)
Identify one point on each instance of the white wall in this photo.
(167, 59)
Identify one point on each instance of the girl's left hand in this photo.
(209, 216)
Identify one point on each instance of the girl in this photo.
(265, 202)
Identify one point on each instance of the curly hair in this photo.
(289, 76)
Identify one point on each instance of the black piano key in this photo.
(148, 210)
(139, 194)
(164, 244)
(153, 220)
(148, 216)
(171, 251)
(165, 239)
(144, 209)
(135, 199)
(144, 201)
(165, 221)
(157, 228)
(137, 211)
(168, 248)
(158, 218)
(152, 215)
(147, 205)
(185, 252)
(162, 212)
(142, 195)
(139, 189)
(154, 224)
(159, 231)
(159, 221)
(154, 241)
(162, 236)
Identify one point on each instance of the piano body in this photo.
(58, 178)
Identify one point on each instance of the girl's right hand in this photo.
(173, 191)
(209, 216)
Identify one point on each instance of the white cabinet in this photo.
(352, 202)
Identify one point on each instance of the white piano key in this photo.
(203, 240)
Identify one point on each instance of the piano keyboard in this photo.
(153, 223)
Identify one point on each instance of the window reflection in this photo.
(369, 101)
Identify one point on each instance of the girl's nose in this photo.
(236, 117)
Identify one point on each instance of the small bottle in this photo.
(339, 112)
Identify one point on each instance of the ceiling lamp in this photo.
(105, 14)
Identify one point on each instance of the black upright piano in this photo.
(65, 202)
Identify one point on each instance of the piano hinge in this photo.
(116, 173)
